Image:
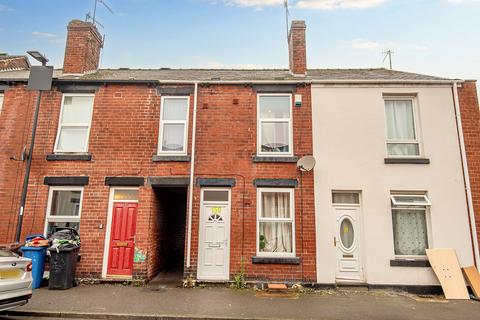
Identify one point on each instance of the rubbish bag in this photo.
(64, 238)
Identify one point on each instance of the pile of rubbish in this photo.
(66, 238)
(36, 241)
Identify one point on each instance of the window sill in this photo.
(69, 157)
(160, 158)
(275, 260)
(407, 161)
(278, 159)
(409, 263)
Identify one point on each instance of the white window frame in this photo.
(184, 122)
(74, 125)
(291, 191)
(410, 207)
(49, 218)
(396, 200)
(416, 128)
(290, 126)
(2, 97)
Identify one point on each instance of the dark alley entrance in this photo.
(170, 206)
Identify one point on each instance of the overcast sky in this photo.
(437, 37)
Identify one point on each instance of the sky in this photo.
(435, 37)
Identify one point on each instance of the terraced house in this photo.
(195, 171)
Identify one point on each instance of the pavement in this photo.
(128, 302)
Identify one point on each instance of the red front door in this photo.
(122, 239)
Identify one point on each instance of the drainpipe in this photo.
(473, 228)
(192, 167)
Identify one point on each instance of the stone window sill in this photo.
(260, 159)
(69, 157)
(160, 158)
(275, 260)
(409, 263)
(407, 161)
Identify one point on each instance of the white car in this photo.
(15, 280)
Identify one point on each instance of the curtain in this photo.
(410, 232)
(403, 149)
(400, 124)
(275, 236)
(275, 136)
(173, 137)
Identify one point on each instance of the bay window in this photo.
(274, 129)
(275, 222)
(173, 125)
(402, 136)
(74, 123)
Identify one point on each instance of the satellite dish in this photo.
(306, 163)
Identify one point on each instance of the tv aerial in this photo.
(306, 163)
(388, 54)
(94, 17)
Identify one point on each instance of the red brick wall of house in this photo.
(15, 126)
(470, 112)
(226, 141)
(123, 139)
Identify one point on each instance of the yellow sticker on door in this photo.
(216, 209)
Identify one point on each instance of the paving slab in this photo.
(126, 302)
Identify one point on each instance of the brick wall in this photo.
(470, 113)
(82, 51)
(15, 126)
(123, 139)
(297, 48)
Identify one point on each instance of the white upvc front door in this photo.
(347, 242)
(214, 235)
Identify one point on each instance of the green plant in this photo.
(239, 278)
(262, 242)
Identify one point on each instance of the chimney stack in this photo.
(297, 48)
(82, 51)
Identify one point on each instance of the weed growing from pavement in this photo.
(239, 278)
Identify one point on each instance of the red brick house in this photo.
(98, 165)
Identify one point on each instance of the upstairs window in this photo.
(64, 208)
(402, 138)
(173, 125)
(274, 131)
(74, 124)
(1, 102)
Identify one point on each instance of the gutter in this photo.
(273, 81)
(386, 81)
(192, 167)
(471, 212)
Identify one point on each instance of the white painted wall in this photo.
(349, 135)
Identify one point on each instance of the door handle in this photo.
(334, 241)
